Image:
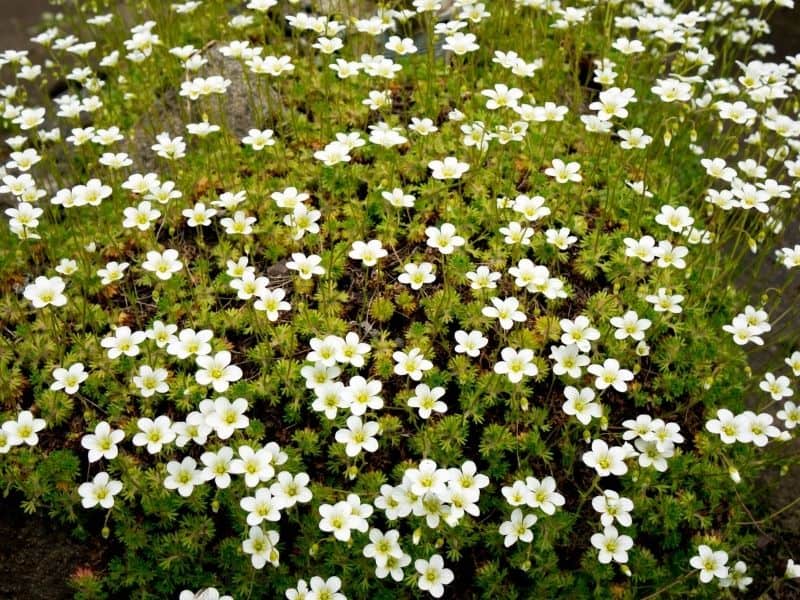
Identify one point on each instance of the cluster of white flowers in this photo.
(504, 114)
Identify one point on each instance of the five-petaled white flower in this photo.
(163, 264)
(69, 379)
(101, 490)
(103, 442)
(518, 528)
(217, 371)
(433, 575)
(710, 563)
(449, 168)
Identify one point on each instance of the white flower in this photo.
(255, 465)
(183, 476)
(610, 374)
(483, 278)
(433, 575)
(756, 428)
(606, 461)
(794, 363)
(154, 433)
(306, 266)
(249, 285)
(792, 570)
(643, 249)
(46, 291)
(124, 341)
(776, 387)
(663, 302)
(612, 545)
(23, 430)
(358, 436)
(579, 332)
(560, 238)
(651, 455)
(199, 215)
(103, 442)
(543, 494)
(163, 264)
(289, 490)
(444, 238)
(518, 528)
(670, 90)
(239, 224)
(612, 506)
(101, 490)
(352, 350)
(790, 415)
(141, 216)
(670, 256)
(568, 360)
(261, 506)
(338, 519)
(330, 397)
(368, 253)
(630, 325)
(258, 139)
(515, 233)
(217, 371)
(363, 394)
(194, 428)
(460, 43)
(417, 275)
(272, 302)
(325, 589)
(113, 271)
(580, 404)
(412, 363)
(505, 311)
(426, 400)
(69, 379)
(711, 564)
(217, 466)
(726, 425)
(190, 342)
(449, 168)
(470, 343)
(150, 380)
(516, 364)
(398, 198)
(564, 172)
(736, 577)
(262, 547)
(333, 153)
(227, 417)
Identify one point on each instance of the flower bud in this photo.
(734, 473)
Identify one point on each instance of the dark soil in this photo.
(37, 557)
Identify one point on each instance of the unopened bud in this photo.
(734, 473)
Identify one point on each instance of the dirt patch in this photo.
(37, 556)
